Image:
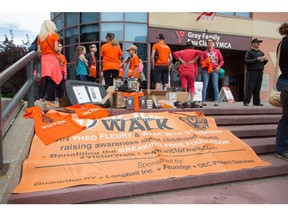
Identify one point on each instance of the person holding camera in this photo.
(255, 61)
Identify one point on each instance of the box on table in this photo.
(164, 95)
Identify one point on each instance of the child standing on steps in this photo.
(81, 63)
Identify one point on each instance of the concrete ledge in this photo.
(16, 145)
(90, 193)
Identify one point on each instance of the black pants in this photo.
(109, 75)
(47, 85)
(60, 89)
(253, 86)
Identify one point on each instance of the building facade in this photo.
(231, 31)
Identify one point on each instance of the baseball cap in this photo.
(110, 35)
(256, 40)
(132, 47)
(161, 37)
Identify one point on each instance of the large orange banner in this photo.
(135, 147)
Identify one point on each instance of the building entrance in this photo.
(234, 72)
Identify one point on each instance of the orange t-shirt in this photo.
(92, 69)
(163, 53)
(63, 63)
(88, 111)
(111, 56)
(51, 127)
(134, 62)
(45, 48)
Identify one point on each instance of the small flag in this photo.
(208, 16)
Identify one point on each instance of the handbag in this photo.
(177, 64)
(274, 97)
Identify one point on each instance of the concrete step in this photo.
(261, 145)
(247, 120)
(246, 131)
(92, 193)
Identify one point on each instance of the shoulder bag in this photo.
(274, 98)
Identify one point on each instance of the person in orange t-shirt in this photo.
(50, 68)
(63, 65)
(133, 71)
(111, 53)
(161, 65)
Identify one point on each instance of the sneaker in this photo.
(246, 104)
(283, 156)
(216, 104)
(52, 104)
(204, 104)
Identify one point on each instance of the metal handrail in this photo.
(27, 88)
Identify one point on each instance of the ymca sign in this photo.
(199, 39)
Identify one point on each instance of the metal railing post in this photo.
(30, 76)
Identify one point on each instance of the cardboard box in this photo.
(182, 96)
(161, 95)
(164, 95)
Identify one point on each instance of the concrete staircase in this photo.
(254, 125)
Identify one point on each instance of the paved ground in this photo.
(271, 190)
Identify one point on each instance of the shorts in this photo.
(160, 74)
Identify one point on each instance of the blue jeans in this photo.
(282, 135)
(281, 84)
(215, 78)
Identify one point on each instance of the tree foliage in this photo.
(9, 54)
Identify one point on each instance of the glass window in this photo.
(116, 28)
(136, 32)
(70, 53)
(243, 14)
(89, 33)
(86, 17)
(114, 16)
(71, 35)
(60, 34)
(239, 14)
(141, 50)
(59, 22)
(71, 19)
(136, 17)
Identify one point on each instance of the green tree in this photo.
(9, 54)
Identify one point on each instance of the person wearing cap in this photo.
(255, 61)
(111, 53)
(133, 71)
(188, 68)
(161, 65)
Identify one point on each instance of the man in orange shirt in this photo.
(161, 65)
(111, 53)
(63, 65)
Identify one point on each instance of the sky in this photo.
(21, 23)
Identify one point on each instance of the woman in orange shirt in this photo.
(111, 53)
(50, 68)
